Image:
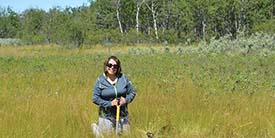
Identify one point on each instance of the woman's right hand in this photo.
(115, 102)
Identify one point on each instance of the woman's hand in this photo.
(115, 102)
(122, 101)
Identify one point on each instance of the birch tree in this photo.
(153, 7)
(138, 3)
(118, 15)
(200, 15)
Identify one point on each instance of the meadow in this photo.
(46, 92)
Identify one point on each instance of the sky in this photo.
(21, 5)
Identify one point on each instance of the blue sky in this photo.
(21, 5)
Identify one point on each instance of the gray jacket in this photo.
(105, 92)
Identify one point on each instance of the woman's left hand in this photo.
(122, 101)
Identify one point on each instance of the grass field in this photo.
(46, 92)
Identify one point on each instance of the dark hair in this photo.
(118, 72)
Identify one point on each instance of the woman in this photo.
(111, 89)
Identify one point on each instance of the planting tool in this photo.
(118, 117)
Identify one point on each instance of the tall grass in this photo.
(48, 94)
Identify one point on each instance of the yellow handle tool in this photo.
(117, 118)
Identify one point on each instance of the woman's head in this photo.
(112, 66)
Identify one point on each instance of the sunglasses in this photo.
(111, 65)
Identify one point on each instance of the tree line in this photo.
(138, 21)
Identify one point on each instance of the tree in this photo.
(200, 17)
(153, 6)
(32, 26)
(118, 16)
(131, 21)
(138, 3)
(53, 25)
(232, 14)
(9, 23)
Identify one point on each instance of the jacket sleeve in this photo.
(97, 96)
(130, 92)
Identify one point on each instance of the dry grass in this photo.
(46, 94)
